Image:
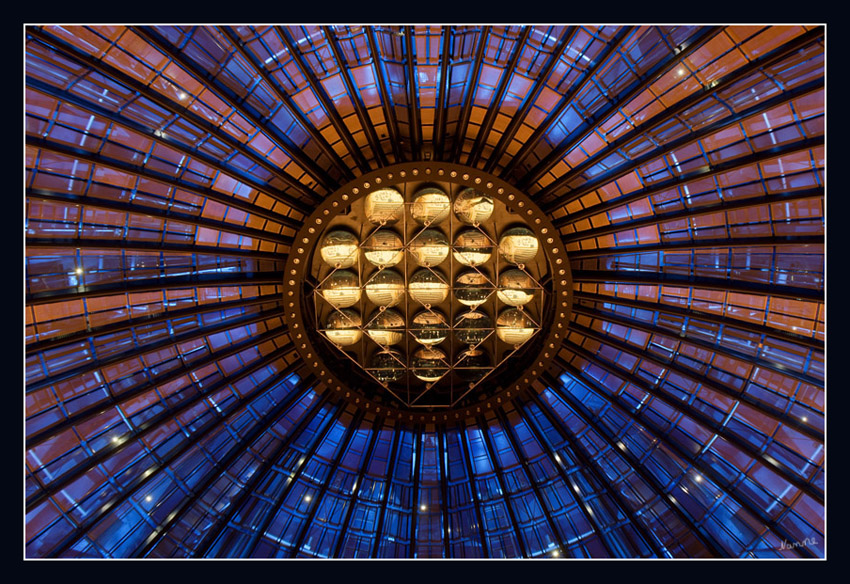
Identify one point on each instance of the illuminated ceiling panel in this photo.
(170, 412)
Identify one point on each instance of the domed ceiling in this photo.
(171, 413)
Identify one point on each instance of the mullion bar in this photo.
(153, 382)
(237, 103)
(143, 429)
(293, 478)
(800, 242)
(160, 100)
(718, 428)
(354, 95)
(702, 172)
(578, 409)
(677, 280)
(442, 94)
(412, 94)
(722, 206)
(257, 431)
(95, 202)
(156, 176)
(418, 438)
(473, 490)
(694, 461)
(509, 432)
(709, 317)
(497, 471)
(444, 489)
(327, 105)
(466, 109)
(145, 320)
(385, 94)
(211, 280)
(531, 97)
(195, 333)
(367, 457)
(496, 99)
(577, 86)
(259, 476)
(318, 499)
(715, 348)
(635, 88)
(393, 454)
(713, 88)
(149, 246)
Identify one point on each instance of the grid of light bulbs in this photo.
(404, 309)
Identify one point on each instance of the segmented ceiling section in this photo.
(168, 169)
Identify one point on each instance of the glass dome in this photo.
(170, 171)
(341, 289)
(340, 249)
(428, 287)
(384, 248)
(385, 288)
(429, 248)
(343, 327)
(430, 206)
(473, 207)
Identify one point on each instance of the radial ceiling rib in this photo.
(654, 279)
(496, 100)
(385, 94)
(153, 471)
(412, 95)
(712, 89)
(706, 540)
(237, 103)
(722, 206)
(468, 99)
(440, 116)
(545, 127)
(800, 243)
(169, 105)
(160, 177)
(531, 97)
(93, 202)
(158, 285)
(322, 96)
(712, 318)
(781, 469)
(641, 83)
(696, 462)
(360, 109)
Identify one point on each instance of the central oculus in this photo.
(426, 287)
